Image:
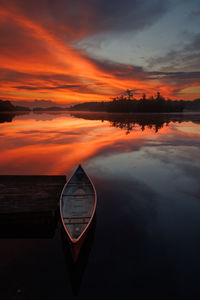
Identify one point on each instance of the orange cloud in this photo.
(37, 63)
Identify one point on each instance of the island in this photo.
(7, 106)
(8, 111)
(127, 104)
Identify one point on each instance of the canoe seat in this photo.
(76, 220)
(80, 217)
(75, 223)
(77, 184)
(82, 195)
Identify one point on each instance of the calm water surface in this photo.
(146, 240)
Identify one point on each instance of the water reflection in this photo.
(55, 144)
(147, 237)
(77, 269)
(40, 226)
(130, 242)
(131, 121)
(8, 117)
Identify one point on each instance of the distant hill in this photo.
(53, 108)
(7, 106)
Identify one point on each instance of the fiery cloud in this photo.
(38, 61)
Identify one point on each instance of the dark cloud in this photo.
(194, 14)
(7, 75)
(82, 18)
(135, 72)
(187, 58)
(130, 71)
(118, 69)
(80, 88)
(175, 78)
(175, 75)
(34, 88)
(194, 45)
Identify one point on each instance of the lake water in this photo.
(145, 242)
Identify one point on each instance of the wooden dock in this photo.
(28, 204)
(38, 193)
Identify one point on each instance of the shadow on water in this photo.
(77, 269)
(28, 206)
(134, 257)
(28, 225)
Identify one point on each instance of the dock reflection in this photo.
(77, 268)
(28, 225)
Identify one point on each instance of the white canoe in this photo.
(77, 205)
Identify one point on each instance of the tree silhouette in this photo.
(144, 97)
(158, 96)
(129, 94)
(126, 103)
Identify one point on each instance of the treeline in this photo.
(125, 104)
(121, 104)
(132, 106)
(7, 106)
(192, 105)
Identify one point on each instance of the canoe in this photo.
(77, 205)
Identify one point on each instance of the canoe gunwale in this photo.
(75, 241)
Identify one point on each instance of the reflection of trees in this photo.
(123, 125)
(8, 117)
(129, 122)
(156, 125)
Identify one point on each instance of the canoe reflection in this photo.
(77, 268)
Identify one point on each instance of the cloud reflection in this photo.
(31, 145)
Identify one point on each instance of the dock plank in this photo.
(31, 193)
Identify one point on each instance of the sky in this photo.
(78, 51)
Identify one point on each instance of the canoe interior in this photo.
(77, 203)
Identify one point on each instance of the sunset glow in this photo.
(45, 53)
(100, 140)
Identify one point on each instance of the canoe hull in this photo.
(77, 209)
